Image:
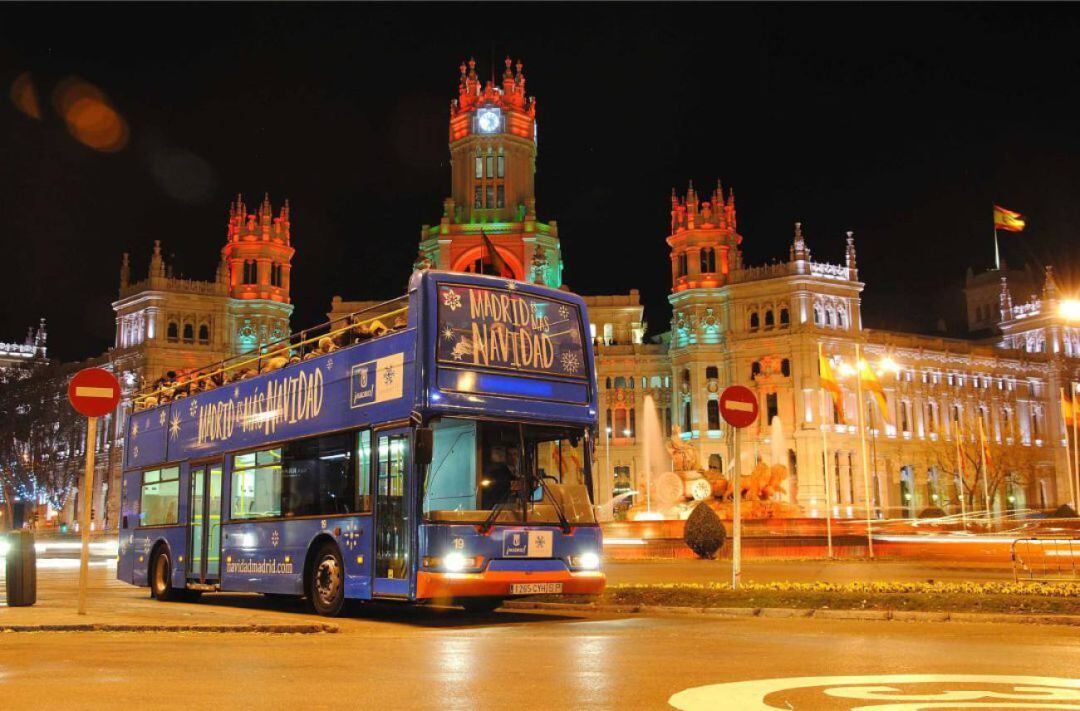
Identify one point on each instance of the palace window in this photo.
(754, 321)
(708, 260)
(204, 334)
(686, 416)
(682, 266)
(770, 320)
(275, 275)
(500, 196)
(772, 409)
(251, 271)
(479, 201)
(785, 318)
(785, 368)
(755, 369)
(712, 372)
(479, 167)
(502, 166)
(622, 426)
(172, 333)
(189, 333)
(713, 409)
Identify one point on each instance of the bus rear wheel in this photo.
(326, 582)
(161, 587)
(478, 605)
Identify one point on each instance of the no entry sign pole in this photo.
(84, 518)
(92, 392)
(739, 408)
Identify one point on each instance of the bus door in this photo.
(204, 523)
(393, 522)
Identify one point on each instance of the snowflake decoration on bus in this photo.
(135, 452)
(193, 408)
(388, 375)
(329, 363)
(511, 285)
(448, 333)
(236, 391)
(274, 538)
(564, 312)
(161, 418)
(570, 362)
(174, 426)
(134, 430)
(451, 299)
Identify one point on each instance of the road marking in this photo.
(739, 405)
(86, 391)
(882, 691)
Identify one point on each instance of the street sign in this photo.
(738, 406)
(94, 392)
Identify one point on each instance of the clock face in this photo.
(488, 121)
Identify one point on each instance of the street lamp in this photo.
(1069, 309)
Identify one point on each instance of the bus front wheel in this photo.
(326, 583)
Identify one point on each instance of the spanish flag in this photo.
(985, 448)
(871, 383)
(1008, 220)
(830, 383)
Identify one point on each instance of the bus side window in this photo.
(363, 471)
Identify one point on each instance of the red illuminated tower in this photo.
(489, 222)
(704, 243)
(256, 260)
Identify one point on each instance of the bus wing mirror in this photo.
(424, 443)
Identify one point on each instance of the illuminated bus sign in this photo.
(505, 329)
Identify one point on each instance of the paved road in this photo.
(423, 658)
(420, 659)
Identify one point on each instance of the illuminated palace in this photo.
(760, 326)
(166, 323)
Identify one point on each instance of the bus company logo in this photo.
(265, 566)
(516, 543)
(376, 380)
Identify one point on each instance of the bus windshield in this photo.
(500, 472)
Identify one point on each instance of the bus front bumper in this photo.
(500, 583)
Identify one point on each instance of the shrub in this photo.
(704, 533)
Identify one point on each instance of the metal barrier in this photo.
(1046, 559)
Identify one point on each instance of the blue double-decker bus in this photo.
(436, 447)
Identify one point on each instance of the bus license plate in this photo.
(535, 588)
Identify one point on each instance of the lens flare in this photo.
(24, 96)
(91, 118)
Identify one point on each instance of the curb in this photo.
(317, 628)
(797, 612)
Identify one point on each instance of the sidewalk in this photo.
(114, 604)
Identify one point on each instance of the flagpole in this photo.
(960, 473)
(1076, 442)
(1068, 453)
(997, 253)
(862, 449)
(825, 459)
(985, 470)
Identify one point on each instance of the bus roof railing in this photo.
(355, 327)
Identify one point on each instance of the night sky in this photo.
(904, 123)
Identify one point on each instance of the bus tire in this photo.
(160, 575)
(481, 605)
(326, 582)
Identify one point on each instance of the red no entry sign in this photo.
(738, 406)
(94, 392)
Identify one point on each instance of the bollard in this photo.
(21, 570)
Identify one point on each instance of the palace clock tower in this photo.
(489, 222)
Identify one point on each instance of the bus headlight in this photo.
(5, 547)
(585, 561)
(453, 562)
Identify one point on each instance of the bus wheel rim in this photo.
(160, 576)
(327, 579)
